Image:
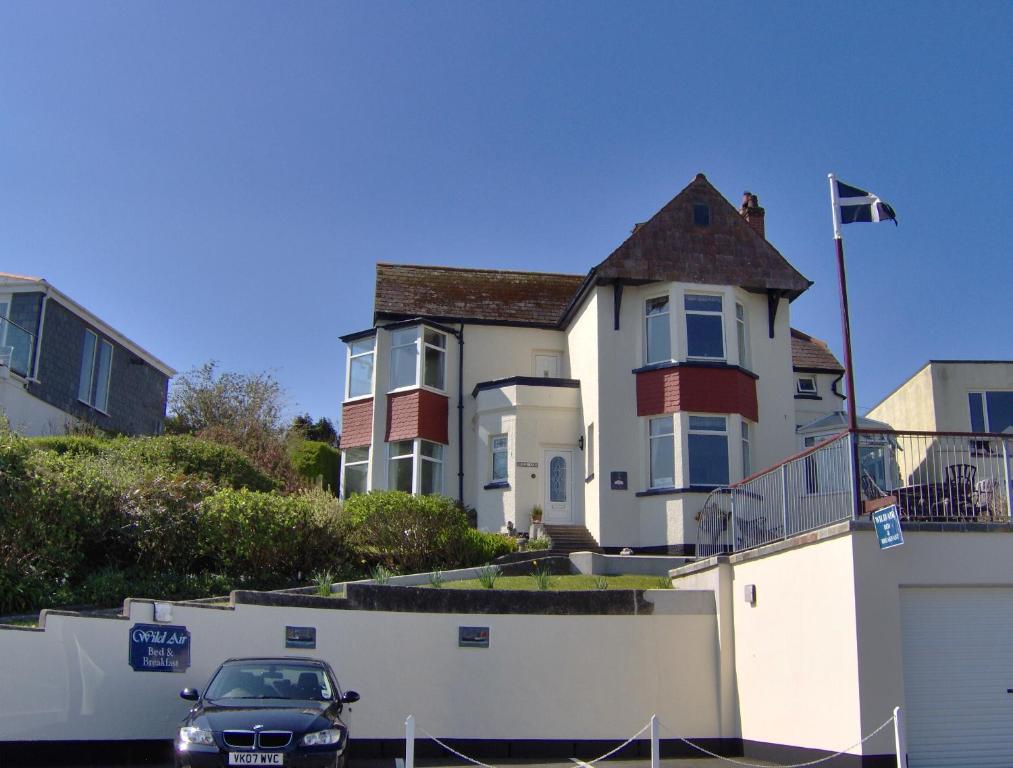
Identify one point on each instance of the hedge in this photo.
(313, 459)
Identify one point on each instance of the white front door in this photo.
(558, 484)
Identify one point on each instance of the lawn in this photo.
(564, 583)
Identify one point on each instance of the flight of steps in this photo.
(571, 538)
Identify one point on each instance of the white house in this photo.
(615, 400)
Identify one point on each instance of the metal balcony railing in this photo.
(930, 476)
(16, 347)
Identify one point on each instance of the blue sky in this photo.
(217, 180)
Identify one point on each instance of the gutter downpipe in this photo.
(460, 415)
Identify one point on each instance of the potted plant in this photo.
(536, 514)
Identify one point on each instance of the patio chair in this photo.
(959, 498)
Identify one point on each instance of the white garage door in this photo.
(958, 671)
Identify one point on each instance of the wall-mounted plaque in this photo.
(300, 637)
(473, 637)
(159, 648)
(619, 482)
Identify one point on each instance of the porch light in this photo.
(580, 442)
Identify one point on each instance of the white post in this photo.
(900, 737)
(409, 742)
(655, 749)
(1005, 481)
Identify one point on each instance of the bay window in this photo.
(657, 331)
(705, 335)
(404, 357)
(434, 362)
(360, 367)
(415, 466)
(707, 445)
(662, 449)
(355, 463)
(416, 356)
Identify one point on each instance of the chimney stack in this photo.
(753, 213)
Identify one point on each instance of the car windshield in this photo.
(270, 680)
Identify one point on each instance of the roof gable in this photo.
(811, 354)
(477, 295)
(670, 247)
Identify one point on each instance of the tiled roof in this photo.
(671, 247)
(491, 295)
(813, 354)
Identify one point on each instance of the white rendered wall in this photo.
(910, 407)
(583, 343)
(26, 413)
(534, 419)
(543, 677)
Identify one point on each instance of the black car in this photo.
(264, 711)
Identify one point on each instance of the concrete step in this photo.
(571, 538)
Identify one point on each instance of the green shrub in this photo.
(263, 538)
(189, 455)
(479, 547)
(407, 533)
(313, 459)
(542, 542)
(73, 444)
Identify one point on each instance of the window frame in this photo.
(647, 325)
(686, 312)
(651, 438)
(350, 359)
(417, 457)
(747, 453)
(421, 345)
(800, 390)
(984, 415)
(98, 343)
(345, 464)
(742, 335)
(505, 450)
(704, 432)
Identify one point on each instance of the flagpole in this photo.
(849, 370)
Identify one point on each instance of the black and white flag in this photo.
(858, 205)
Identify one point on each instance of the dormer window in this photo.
(415, 357)
(806, 385)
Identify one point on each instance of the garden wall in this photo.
(543, 676)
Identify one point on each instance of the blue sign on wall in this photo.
(888, 530)
(159, 648)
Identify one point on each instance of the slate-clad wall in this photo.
(137, 391)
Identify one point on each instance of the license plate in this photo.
(256, 758)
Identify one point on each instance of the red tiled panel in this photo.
(357, 423)
(701, 390)
(419, 413)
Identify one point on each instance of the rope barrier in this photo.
(686, 741)
(471, 760)
(859, 743)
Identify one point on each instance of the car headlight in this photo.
(322, 738)
(192, 735)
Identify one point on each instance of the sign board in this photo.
(300, 637)
(888, 530)
(533, 464)
(473, 637)
(619, 482)
(159, 648)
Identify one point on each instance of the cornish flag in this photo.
(858, 205)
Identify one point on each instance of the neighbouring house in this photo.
(953, 396)
(61, 365)
(818, 376)
(615, 400)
